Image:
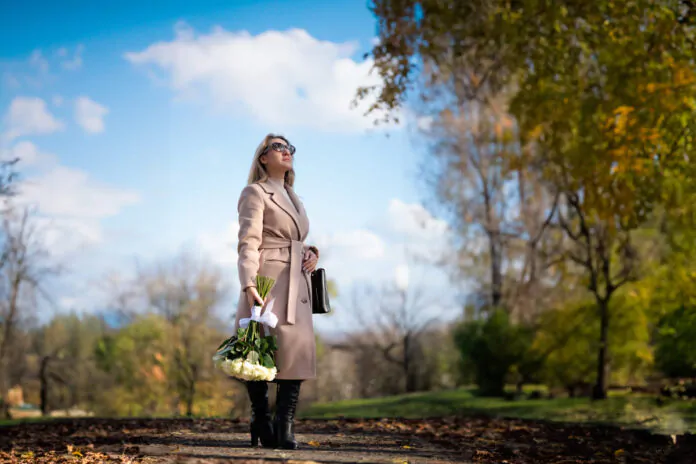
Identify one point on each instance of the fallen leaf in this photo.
(407, 447)
(313, 443)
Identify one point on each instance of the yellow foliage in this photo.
(536, 132)
(649, 134)
(621, 119)
(684, 76)
(158, 373)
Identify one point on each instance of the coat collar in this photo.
(296, 212)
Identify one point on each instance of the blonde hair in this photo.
(258, 170)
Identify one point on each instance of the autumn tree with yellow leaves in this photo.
(603, 94)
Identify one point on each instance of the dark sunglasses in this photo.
(277, 146)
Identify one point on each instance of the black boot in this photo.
(286, 404)
(261, 425)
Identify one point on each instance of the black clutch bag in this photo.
(320, 294)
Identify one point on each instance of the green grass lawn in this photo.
(24, 420)
(621, 409)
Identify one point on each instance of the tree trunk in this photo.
(43, 376)
(571, 391)
(496, 270)
(191, 390)
(600, 389)
(410, 383)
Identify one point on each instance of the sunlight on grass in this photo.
(619, 409)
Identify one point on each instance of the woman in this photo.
(272, 227)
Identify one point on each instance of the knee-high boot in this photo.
(286, 404)
(261, 425)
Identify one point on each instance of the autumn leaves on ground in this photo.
(443, 440)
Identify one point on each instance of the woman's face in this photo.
(279, 156)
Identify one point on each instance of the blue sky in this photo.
(136, 124)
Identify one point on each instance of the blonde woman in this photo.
(273, 225)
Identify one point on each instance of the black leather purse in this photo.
(320, 294)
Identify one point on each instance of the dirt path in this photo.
(444, 440)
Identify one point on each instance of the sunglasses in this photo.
(277, 146)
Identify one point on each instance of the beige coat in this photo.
(271, 235)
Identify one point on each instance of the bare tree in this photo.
(392, 320)
(25, 266)
(484, 179)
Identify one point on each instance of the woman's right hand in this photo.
(253, 297)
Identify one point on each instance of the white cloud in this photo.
(414, 221)
(90, 114)
(38, 61)
(424, 123)
(70, 192)
(29, 116)
(29, 155)
(69, 203)
(359, 244)
(64, 236)
(401, 275)
(280, 78)
(220, 247)
(71, 63)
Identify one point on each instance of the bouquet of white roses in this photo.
(248, 355)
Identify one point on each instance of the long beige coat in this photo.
(271, 236)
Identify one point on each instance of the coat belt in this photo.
(295, 267)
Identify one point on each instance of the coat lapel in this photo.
(279, 199)
(303, 221)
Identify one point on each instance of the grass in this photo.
(630, 410)
(24, 420)
(633, 411)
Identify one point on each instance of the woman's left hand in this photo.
(309, 263)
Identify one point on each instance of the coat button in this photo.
(304, 300)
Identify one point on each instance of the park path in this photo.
(434, 440)
(190, 447)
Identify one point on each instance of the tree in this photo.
(25, 266)
(565, 335)
(492, 346)
(477, 173)
(675, 354)
(135, 356)
(604, 92)
(393, 319)
(64, 347)
(186, 295)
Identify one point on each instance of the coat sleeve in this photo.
(250, 209)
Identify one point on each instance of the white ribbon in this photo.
(267, 318)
